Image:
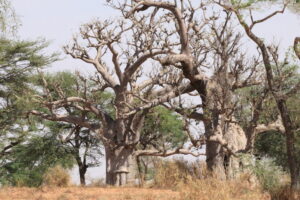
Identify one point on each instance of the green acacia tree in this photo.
(18, 60)
(28, 162)
(164, 131)
(79, 142)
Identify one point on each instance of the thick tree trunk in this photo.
(121, 166)
(219, 161)
(237, 140)
(214, 152)
(215, 160)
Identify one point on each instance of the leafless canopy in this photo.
(122, 51)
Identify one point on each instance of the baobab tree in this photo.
(208, 52)
(119, 51)
(275, 79)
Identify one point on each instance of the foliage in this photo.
(8, 19)
(82, 140)
(163, 128)
(272, 144)
(269, 174)
(18, 59)
(28, 162)
(80, 143)
(74, 85)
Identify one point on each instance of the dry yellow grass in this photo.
(208, 190)
(212, 189)
(88, 193)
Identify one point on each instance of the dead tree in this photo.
(119, 51)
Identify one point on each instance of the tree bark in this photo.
(290, 144)
(82, 168)
(215, 160)
(121, 166)
(82, 172)
(214, 152)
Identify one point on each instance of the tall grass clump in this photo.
(194, 182)
(170, 174)
(212, 188)
(56, 176)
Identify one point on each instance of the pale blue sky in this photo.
(58, 20)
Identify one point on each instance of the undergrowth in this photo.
(193, 182)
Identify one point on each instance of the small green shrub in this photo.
(270, 176)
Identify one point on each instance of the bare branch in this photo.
(254, 22)
(65, 118)
(274, 126)
(167, 153)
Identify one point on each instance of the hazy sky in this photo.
(58, 20)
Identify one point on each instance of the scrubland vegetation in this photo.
(171, 78)
(172, 180)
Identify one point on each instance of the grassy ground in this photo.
(213, 192)
(88, 193)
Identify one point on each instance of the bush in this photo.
(270, 176)
(56, 176)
